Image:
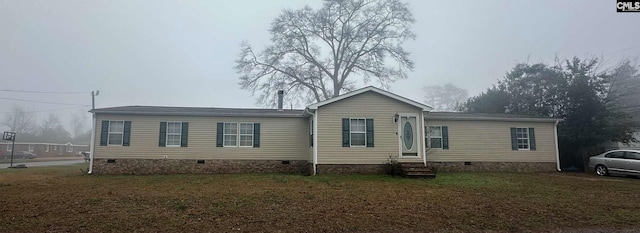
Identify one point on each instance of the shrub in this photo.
(392, 167)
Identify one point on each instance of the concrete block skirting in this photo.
(350, 168)
(441, 167)
(194, 166)
(493, 166)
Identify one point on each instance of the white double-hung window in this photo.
(246, 134)
(522, 138)
(116, 131)
(434, 135)
(174, 134)
(230, 134)
(358, 132)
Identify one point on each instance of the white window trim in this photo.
(224, 134)
(46, 148)
(9, 147)
(55, 147)
(166, 139)
(240, 134)
(527, 137)
(428, 138)
(31, 148)
(237, 134)
(363, 132)
(70, 147)
(109, 135)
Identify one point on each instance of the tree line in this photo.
(49, 129)
(597, 105)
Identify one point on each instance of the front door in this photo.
(408, 135)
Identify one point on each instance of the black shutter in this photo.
(162, 142)
(184, 135)
(104, 133)
(532, 139)
(369, 123)
(256, 134)
(219, 134)
(345, 132)
(126, 137)
(445, 137)
(514, 139)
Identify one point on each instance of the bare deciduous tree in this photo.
(78, 121)
(51, 130)
(317, 54)
(19, 120)
(445, 98)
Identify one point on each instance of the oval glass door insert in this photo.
(408, 136)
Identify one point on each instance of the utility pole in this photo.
(93, 99)
(93, 129)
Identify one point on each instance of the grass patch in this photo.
(62, 199)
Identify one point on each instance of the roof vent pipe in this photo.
(280, 96)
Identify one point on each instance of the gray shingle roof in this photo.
(200, 111)
(485, 116)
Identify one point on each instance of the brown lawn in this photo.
(62, 199)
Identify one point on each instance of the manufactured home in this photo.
(356, 132)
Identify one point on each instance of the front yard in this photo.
(62, 199)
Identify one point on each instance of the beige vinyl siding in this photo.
(490, 141)
(366, 105)
(310, 155)
(280, 139)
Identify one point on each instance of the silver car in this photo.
(623, 162)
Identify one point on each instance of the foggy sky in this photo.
(181, 53)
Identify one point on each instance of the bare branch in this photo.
(317, 54)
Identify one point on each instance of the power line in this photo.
(47, 92)
(52, 110)
(622, 50)
(44, 102)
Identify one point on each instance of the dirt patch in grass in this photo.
(62, 199)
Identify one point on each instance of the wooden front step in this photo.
(417, 170)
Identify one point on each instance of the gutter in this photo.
(424, 139)
(315, 140)
(93, 142)
(555, 131)
(492, 119)
(282, 115)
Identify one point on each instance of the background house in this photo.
(44, 149)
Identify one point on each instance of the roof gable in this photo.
(371, 89)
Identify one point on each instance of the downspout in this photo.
(315, 143)
(315, 140)
(93, 142)
(555, 131)
(424, 140)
